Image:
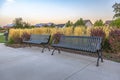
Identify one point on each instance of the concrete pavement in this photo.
(30, 64)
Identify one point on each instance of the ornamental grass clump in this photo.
(68, 31)
(14, 36)
(79, 31)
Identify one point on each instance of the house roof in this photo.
(85, 21)
(60, 25)
(43, 24)
(108, 22)
(10, 25)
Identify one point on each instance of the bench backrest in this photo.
(85, 43)
(40, 38)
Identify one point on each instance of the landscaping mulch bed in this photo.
(21, 45)
(16, 45)
(106, 55)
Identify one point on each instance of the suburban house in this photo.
(44, 24)
(8, 26)
(108, 22)
(88, 23)
(60, 25)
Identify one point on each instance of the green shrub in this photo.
(106, 45)
(10, 41)
(114, 40)
(116, 23)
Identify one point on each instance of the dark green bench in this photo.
(89, 44)
(39, 39)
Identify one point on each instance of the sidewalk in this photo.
(30, 64)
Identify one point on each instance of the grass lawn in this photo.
(1, 33)
(2, 39)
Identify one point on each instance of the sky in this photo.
(56, 11)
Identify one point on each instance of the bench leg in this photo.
(53, 51)
(98, 61)
(48, 48)
(24, 44)
(58, 50)
(99, 57)
(43, 49)
(29, 45)
(45, 46)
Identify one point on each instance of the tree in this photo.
(26, 25)
(52, 25)
(116, 7)
(79, 22)
(69, 23)
(20, 24)
(98, 23)
(116, 23)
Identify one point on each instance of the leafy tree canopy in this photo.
(79, 22)
(98, 23)
(116, 23)
(69, 23)
(116, 7)
(20, 24)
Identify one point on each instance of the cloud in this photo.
(10, 0)
(7, 2)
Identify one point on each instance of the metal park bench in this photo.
(39, 39)
(89, 44)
